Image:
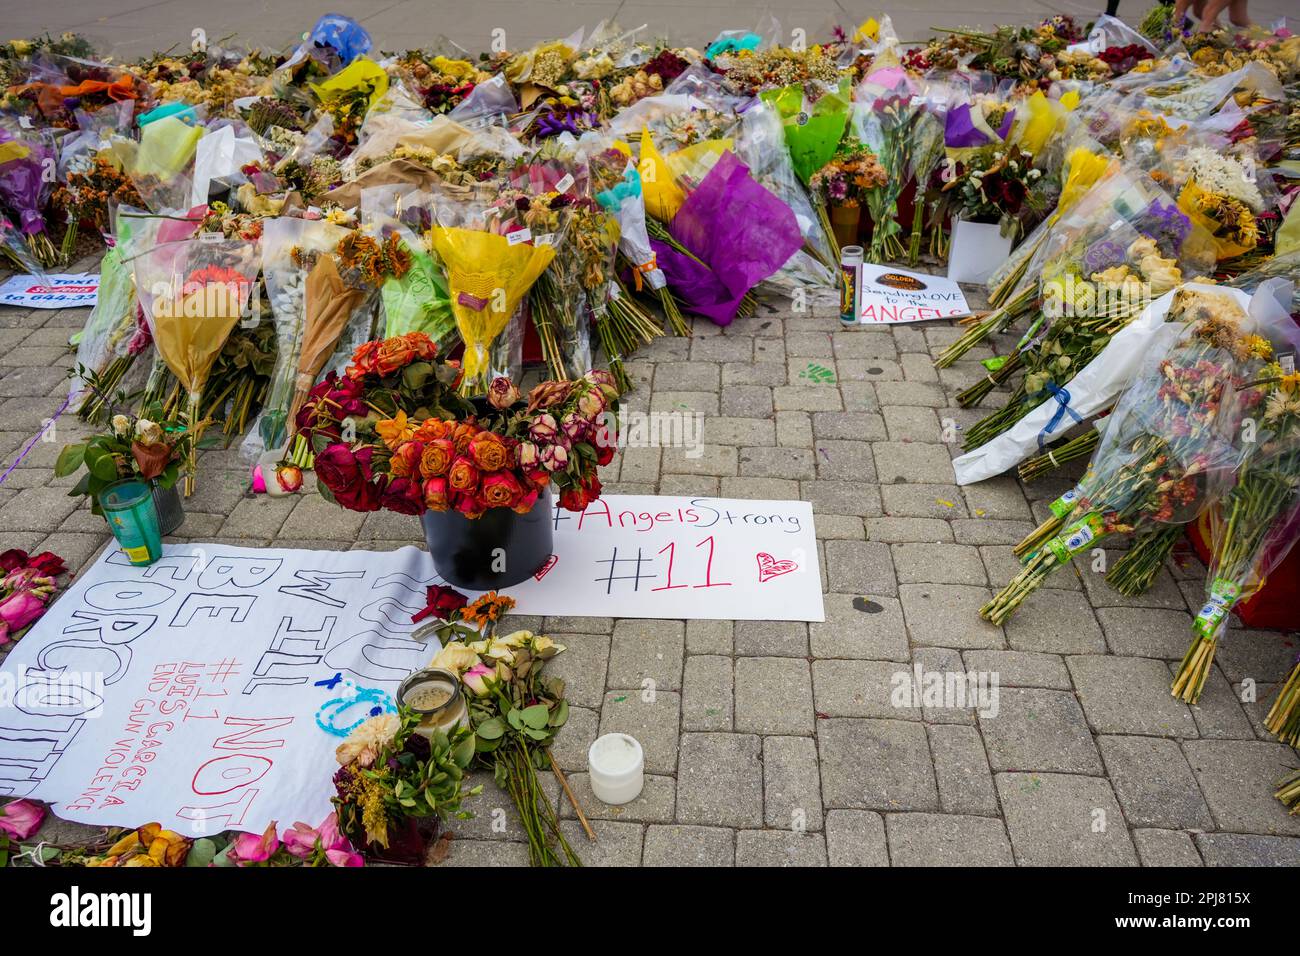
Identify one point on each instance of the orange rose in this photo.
(437, 457)
(462, 476)
(363, 360)
(406, 460)
(421, 344)
(462, 435)
(393, 356)
(488, 451)
(431, 429)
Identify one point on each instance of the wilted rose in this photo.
(542, 428)
(502, 393)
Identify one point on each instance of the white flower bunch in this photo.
(1224, 174)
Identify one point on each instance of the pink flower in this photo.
(554, 458)
(301, 840)
(20, 609)
(250, 848)
(345, 858)
(477, 678)
(305, 842)
(543, 429)
(21, 818)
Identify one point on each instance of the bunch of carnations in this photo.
(515, 711)
(1252, 531)
(1171, 436)
(28, 586)
(395, 786)
(394, 433)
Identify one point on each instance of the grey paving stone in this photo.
(773, 696)
(1154, 784)
(1235, 775)
(37, 509)
(792, 797)
(707, 693)
(1064, 820)
(689, 846)
(1021, 668)
(582, 666)
(709, 637)
(1241, 849)
(948, 614)
(860, 626)
(962, 770)
(714, 460)
(720, 780)
(1129, 695)
(841, 497)
(794, 429)
(845, 460)
(747, 401)
(1041, 730)
(945, 688)
(689, 485)
(647, 650)
(864, 567)
(752, 373)
(876, 764)
(688, 377)
(652, 718)
(856, 838)
(990, 531)
(771, 639)
(1055, 622)
(1219, 713)
(777, 462)
(942, 501)
(899, 462)
(1261, 655)
(837, 527)
(655, 804)
(938, 839)
(1166, 848)
(616, 844)
(780, 848)
(910, 393)
(1146, 632)
(911, 423)
(854, 426)
(483, 853)
(857, 343)
(938, 564)
(863, 689)
(892, 530)
(804, 398)
(314, 517)
(1002, 498)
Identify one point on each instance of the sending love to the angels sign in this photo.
(886, 296)
(209, 690)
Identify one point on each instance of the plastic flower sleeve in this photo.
(27, 167)
(417, 301)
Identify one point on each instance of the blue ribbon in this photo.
(1063, 407)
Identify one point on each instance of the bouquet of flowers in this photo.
(995, 184)
(1255, 525)
(28, 586)
(394, 786)
(1165, 451)
(394, 433)
(514, 709)
(25, 188)
(145, 445)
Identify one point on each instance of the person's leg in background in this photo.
(1237, 14)
(1210, 18)
(1112, 6)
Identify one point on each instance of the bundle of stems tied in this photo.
(1173, 428)
(1258, 522)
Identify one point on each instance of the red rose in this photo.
(404, 496)
(441, 602)
(577, 499)
(13, 559)
(337, 468)
(437, 494)
(606, 444)
(469, 506)
(500, 490)
(47, 563)
(362, 496)
(462, 476)
(526, 501)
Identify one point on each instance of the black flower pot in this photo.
(495, 551)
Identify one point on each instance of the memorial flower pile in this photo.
(394, 433)
(29, 585)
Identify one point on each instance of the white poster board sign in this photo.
(208, 691)
(888, 296)
(68, 291)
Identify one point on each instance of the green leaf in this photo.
(536, 716)
(560, 714)
(491, 729)
(201, 853)
(514, 720)
(70, 459)
(537, 734)
(464, 752)
(101, 464)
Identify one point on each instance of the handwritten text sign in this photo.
(888, 296)
(209, 690)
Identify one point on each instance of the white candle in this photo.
(616, 766)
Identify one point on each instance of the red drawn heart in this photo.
(550, 563)
(769, 567)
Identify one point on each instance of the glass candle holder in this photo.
(435, 695)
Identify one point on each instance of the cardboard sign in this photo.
(60, 292)
(209, 690)
(888, 296)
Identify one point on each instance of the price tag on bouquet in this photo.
(1078, 537)
(1223, 595)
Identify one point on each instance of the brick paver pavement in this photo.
(777, 743)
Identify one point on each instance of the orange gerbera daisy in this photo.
(487, 609)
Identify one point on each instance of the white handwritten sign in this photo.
(887, 296)
(59, 292)
(208, 691)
